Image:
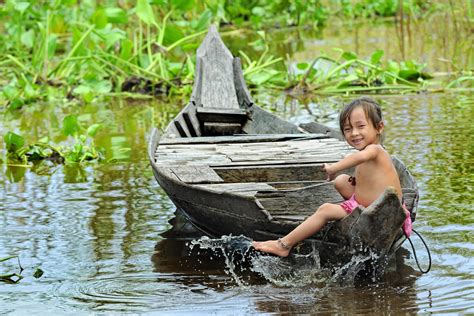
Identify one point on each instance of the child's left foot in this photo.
(276, 247)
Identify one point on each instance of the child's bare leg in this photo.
(309, 227)
(343, 186)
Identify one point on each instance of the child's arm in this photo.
(368, 153)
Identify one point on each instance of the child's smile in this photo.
(359, 132)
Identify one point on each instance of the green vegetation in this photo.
(62, 50)
(69, 52)
(13, 278)
(348, 73)
(83, 148)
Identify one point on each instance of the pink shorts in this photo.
(351, 204)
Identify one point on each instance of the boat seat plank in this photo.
(239, 138)
(246, 189)
(212, 128)
(222, 115)
(192, 174)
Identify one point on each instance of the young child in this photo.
(361, 123)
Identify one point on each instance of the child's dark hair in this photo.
(371, 108)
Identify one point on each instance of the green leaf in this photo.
(92, 130)
(99, 18)
(349, 56)
(113, 36)
(52, 43)
(116, 15)
(82, 89)
(376, 56)
(28, 38)
(409, 74)
(183, 5)
(258, 11)
(302, 66)
(102, 86)
(21, 6)
(13, 141)
(173, 33)
(204, 20)
(347, 80)
(145, 12)
(126, 49)
(71, 125)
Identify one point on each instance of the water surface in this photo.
(96, 230)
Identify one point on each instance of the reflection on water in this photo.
(96, 230)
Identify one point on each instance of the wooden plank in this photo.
(181, 126)
(303, 201)
(263, 122)
(217, 72)
(239, 139)
(248, 189)
(192, 121)
(241, 90)
(315, 127)
(221, 128)
(272, 173)
(191, 174)
(224, 115)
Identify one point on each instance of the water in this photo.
(96, 230)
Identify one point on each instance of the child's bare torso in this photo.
(373, 177)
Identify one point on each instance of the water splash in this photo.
(296, 270)
(234, 249)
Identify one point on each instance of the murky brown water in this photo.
(95, 230)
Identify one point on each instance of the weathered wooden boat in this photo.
(233, 168)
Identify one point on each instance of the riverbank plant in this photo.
(19, 153)
(349, 73)
(65, 51)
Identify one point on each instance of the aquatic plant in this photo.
(83, 149)
(13, 278)
(66, 52)
(349, 73)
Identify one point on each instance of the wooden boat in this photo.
(233, 168)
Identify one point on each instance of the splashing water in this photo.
(296, 270)
(235, 249)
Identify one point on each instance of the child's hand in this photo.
(330, 175)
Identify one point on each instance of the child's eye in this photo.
(346, 130)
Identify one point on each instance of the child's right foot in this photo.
(276, 247)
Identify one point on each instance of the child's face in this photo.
(359, 132)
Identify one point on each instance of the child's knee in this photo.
(341, 182)
(324, 210)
